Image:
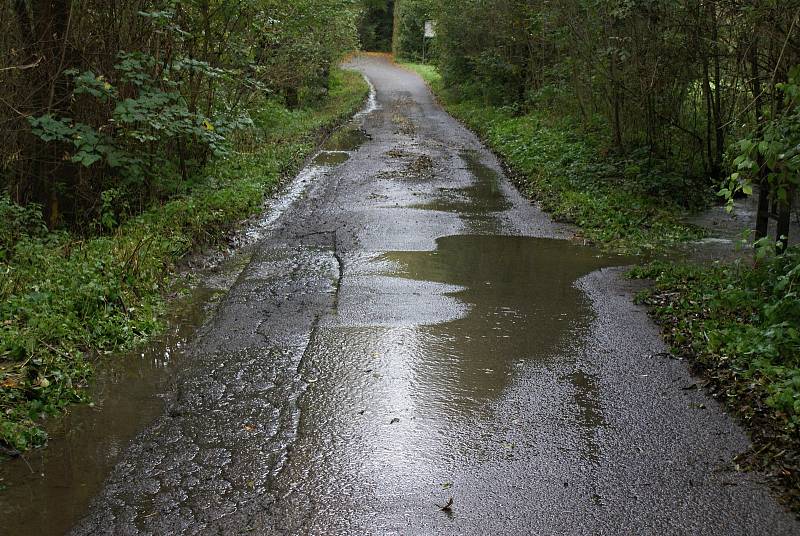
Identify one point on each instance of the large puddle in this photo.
(514, 301)
(342, 143)
(415, 370)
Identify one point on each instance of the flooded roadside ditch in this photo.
(48, 489)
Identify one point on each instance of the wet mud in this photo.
(481, 198)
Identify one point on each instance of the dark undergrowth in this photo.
(66, 300)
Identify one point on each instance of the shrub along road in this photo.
(411, 330)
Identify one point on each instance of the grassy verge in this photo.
(738, 324)
(624, 204)
(66, 300)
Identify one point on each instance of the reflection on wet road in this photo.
(405, 394)
(407, 329)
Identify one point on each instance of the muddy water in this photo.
(338, 148)
(412, 369)
(330, 158)
(48, 490)
(482, 197)
(348, 138)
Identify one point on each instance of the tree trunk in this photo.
(615, 103)
(719, 129)
(762, 214)
(43, 31)
(782, 231)
(709, 119)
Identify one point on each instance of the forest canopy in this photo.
(376, 25)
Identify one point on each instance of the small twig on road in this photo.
(447, 507)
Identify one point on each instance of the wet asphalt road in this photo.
(410, 330)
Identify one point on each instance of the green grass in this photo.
(429, 73)
(624, 204)
(65, 300)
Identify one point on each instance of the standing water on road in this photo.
(412, 371)
(410, 334)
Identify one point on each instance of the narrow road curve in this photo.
(411, 330)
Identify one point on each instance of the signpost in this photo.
(430, 29)
(429, 33)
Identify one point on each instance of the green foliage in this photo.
(663, 76)
(483, 49)
(65, 300)
(375, 25)
(138, 137)
(16, 223)
(772, 150)
(410, 17)
(429, 73)
(146, 93)
(743, 321)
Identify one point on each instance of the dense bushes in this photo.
(113, 107)
(410, 43)
(375, 26)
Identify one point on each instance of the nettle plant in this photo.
(775, 146)
(151, 126)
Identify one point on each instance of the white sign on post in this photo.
(430, 29)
